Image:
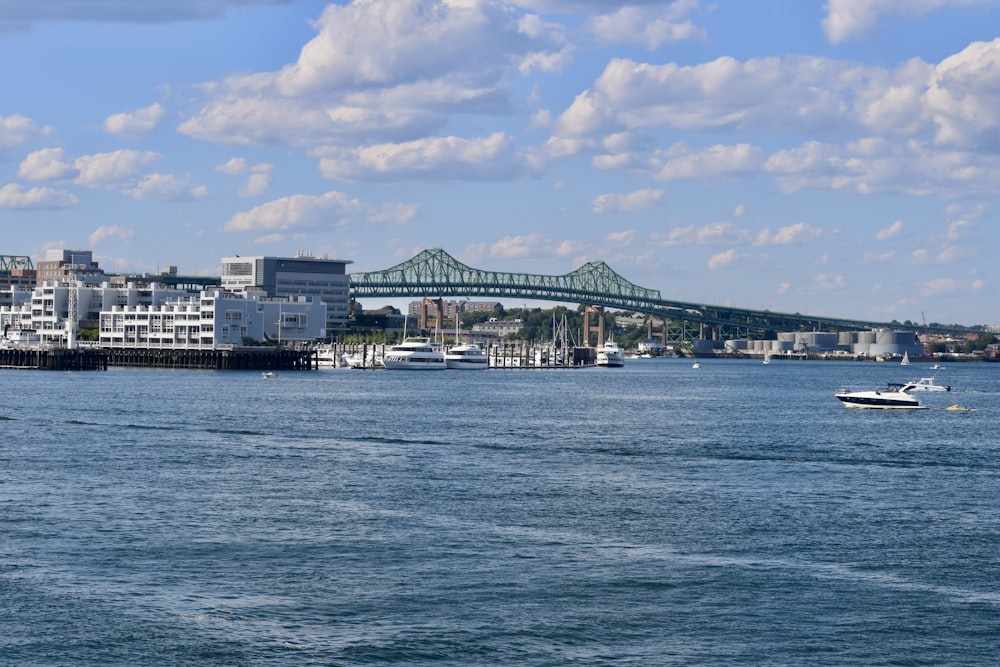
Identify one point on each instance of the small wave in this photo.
(233, 431)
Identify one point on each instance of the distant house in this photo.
(501, 328)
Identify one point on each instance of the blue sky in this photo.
(837, 158)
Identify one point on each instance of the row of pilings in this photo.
(53, 359)
(253, 358)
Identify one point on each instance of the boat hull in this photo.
(879, 400)
(414, 364)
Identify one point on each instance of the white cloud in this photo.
(963, 97)
(47, 164)
(17, 130)
(878, 258)
(940, 287)
(113, 169)
(122, 170)
(383, 71)
(640, 200)
(712, 233)
(136, 123)
(716, 161)
(798, 233)
(109, 232)
(13, 196)
(304, 212)
(511, 247)
(165, 186)
(827, 282)
(255, 184)
(233, 166)
(890, 231)
(853, 19)
(722, 260)
(434, 158)
(648, 26)
(619, 239)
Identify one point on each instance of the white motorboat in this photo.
(923, 384)
(328, 357)
(415, 354)
(893, 397)
(610, 355)
(269, 375)
(466, 357)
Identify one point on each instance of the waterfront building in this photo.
(213, 320)
(323, 279)
(70, 266)
(55, 308)
(501, 328)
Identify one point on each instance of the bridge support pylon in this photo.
(587, 325)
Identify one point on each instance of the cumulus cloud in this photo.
(716, 161)
(712, 233)
(122, 170)
(47, 164)
(852, 19)
(800, 232)
(305, 212)
(109, 232)
(136, 123)
(165, 186)
(514, 247)
(256, 184)
(113, 169)
(434, 158)
(890, 231)
(13, 196)
(648, 26)
(233, 166)
(383, 71)
(619, 239)
(722, 260)
(640, 200)
(940, 287)
(17, 130)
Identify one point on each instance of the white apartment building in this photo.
(213, 320)
(156, 316)
(46, 309)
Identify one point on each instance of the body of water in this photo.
(657, 514)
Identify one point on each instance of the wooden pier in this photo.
(53, 359)
(236, 359)
(90, 359)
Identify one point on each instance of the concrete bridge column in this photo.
(600, 324)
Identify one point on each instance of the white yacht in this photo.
(923, 384)
(893, 397)
(466, 357)
(414, 354)
(610, 354)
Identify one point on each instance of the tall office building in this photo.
(321, 278)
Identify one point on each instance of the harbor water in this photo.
(656, 514)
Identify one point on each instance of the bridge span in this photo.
(435, 273)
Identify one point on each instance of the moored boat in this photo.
(466, 357)
(415, 354)
(610, 355)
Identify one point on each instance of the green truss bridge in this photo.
(434, 273)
